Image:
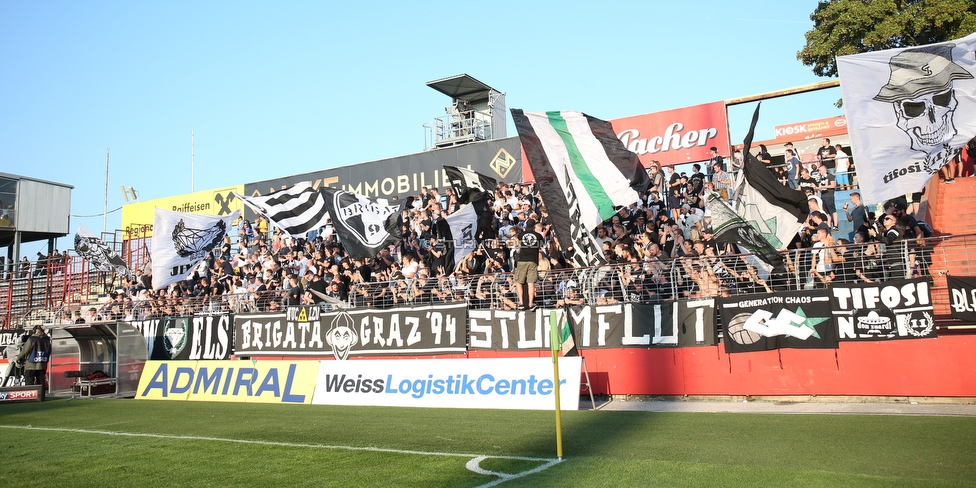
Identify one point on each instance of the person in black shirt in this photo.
(527, 270)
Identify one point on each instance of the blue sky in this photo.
(274, 89)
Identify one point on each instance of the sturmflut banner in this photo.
(306, 331)
(675, 324)
(189, 338)
(504, 383)
(962, 297)
(898, 309)
(760, 322)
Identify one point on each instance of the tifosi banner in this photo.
(229, 381)
(504, 383)
(192, 338)
(676, 136)
(899, 309)
(305, 331)
(962, 297)
(796, 319)
(681, 323)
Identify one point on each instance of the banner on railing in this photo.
(962, 297)
(898, 309)
(305, 331)
(11, 336)
(187, 338)
(760, 322)
(681, 323)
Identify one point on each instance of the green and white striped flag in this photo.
(583, 174)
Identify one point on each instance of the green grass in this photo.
(600, 448)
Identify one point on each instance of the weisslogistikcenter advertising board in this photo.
(504, 383)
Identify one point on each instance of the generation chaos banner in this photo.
(760, 322)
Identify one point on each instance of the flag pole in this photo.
(554, 344)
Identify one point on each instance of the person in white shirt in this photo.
(842, 165)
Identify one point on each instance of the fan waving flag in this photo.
(467, 183)
(296, 210)
(181, 240)
(463, 226)
(772, 208)
(583, 174)
(104, 258)
(365, 225)
(730, 227)
(910, 111)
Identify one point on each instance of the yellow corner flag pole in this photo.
(554, 342)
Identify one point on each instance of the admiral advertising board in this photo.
(407, 175)
(509, 383)
(138, 217)
(667, 324)
(229, 381)
(306, 331)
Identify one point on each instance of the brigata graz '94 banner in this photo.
(189, 338)
(796, 319)
(962, 297)
(305, 331)
(681, 323)
(898, 309)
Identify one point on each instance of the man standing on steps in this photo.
(527, 269)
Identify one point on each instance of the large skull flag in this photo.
(909, 111)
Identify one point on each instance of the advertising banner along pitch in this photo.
(503, 383)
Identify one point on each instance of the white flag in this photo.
(910, 111)
(181, 240)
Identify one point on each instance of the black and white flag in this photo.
(583, 173)
(462, 241)
(364, 224)
(467, 183)
(296, 210)
(775, 210)
(104, 258)
(181, 240)
(910, 111)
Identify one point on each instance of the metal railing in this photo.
(49, 297)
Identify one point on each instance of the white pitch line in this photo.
(472, 465)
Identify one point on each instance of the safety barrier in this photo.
(29, 298)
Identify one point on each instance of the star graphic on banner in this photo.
(766, 227)
(810, 322)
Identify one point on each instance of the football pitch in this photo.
(115, 442)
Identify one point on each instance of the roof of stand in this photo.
(461, 87)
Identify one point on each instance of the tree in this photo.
(842, 27)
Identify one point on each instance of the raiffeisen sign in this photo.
(682, 135)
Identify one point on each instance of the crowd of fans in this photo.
(660, 248)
